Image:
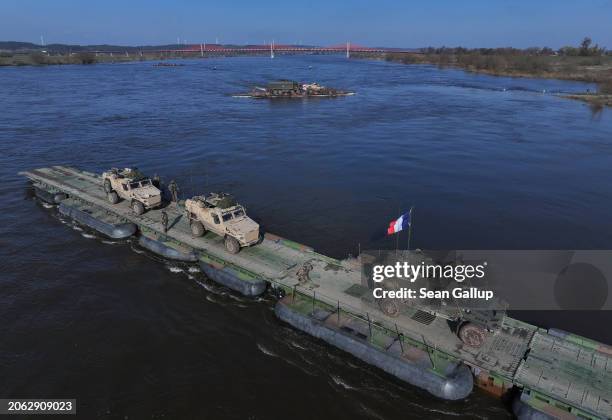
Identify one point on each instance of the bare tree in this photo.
(586, 44)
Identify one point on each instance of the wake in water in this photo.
(297, 346)
(136, 250)
(206, 286)
(371, 413)
(339, 381)
(211, 299)
(266, 351)
(236, 298)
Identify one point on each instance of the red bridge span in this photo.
(342, 48)
(272, 49)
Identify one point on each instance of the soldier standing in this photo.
(156, 181)
(164, 220)
(174, 191)
(303, 273)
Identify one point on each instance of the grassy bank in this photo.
(524, 63)
(587, 69)
(41, 59)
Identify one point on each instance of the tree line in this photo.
(585, 49)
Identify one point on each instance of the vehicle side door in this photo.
(124, 189)
(215, 221)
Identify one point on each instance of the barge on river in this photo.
(547, 373)
(289, 89)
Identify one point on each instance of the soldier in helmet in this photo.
(173, 188)
(164, 220)
(303, 273)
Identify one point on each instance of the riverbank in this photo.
(41, 59)
(597, 100)
(597, 69)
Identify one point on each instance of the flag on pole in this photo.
(399, 224)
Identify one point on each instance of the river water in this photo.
(488, 162)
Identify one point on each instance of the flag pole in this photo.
(410, 227)
(397, 234)
(396, 242)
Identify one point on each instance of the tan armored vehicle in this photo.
(130, 184)
(219, 213)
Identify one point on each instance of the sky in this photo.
(398, 23)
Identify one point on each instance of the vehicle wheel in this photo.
(113, 198)
(232, 245)
(471, 335)
(389, 307)
(197, 229)
(107, 186)
(137, 208)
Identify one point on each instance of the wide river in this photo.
(487, 162)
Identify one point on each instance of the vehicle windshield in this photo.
(138, 184)
(239, 213)
(227, 216)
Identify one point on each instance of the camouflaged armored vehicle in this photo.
(470, 320)
(219, 213)
(130, 184)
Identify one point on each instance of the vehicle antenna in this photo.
(399, 213)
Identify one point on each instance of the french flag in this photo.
(399, 224)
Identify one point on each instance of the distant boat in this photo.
(290, 89)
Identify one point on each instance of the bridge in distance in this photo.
(272, 48)
(341, 48)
